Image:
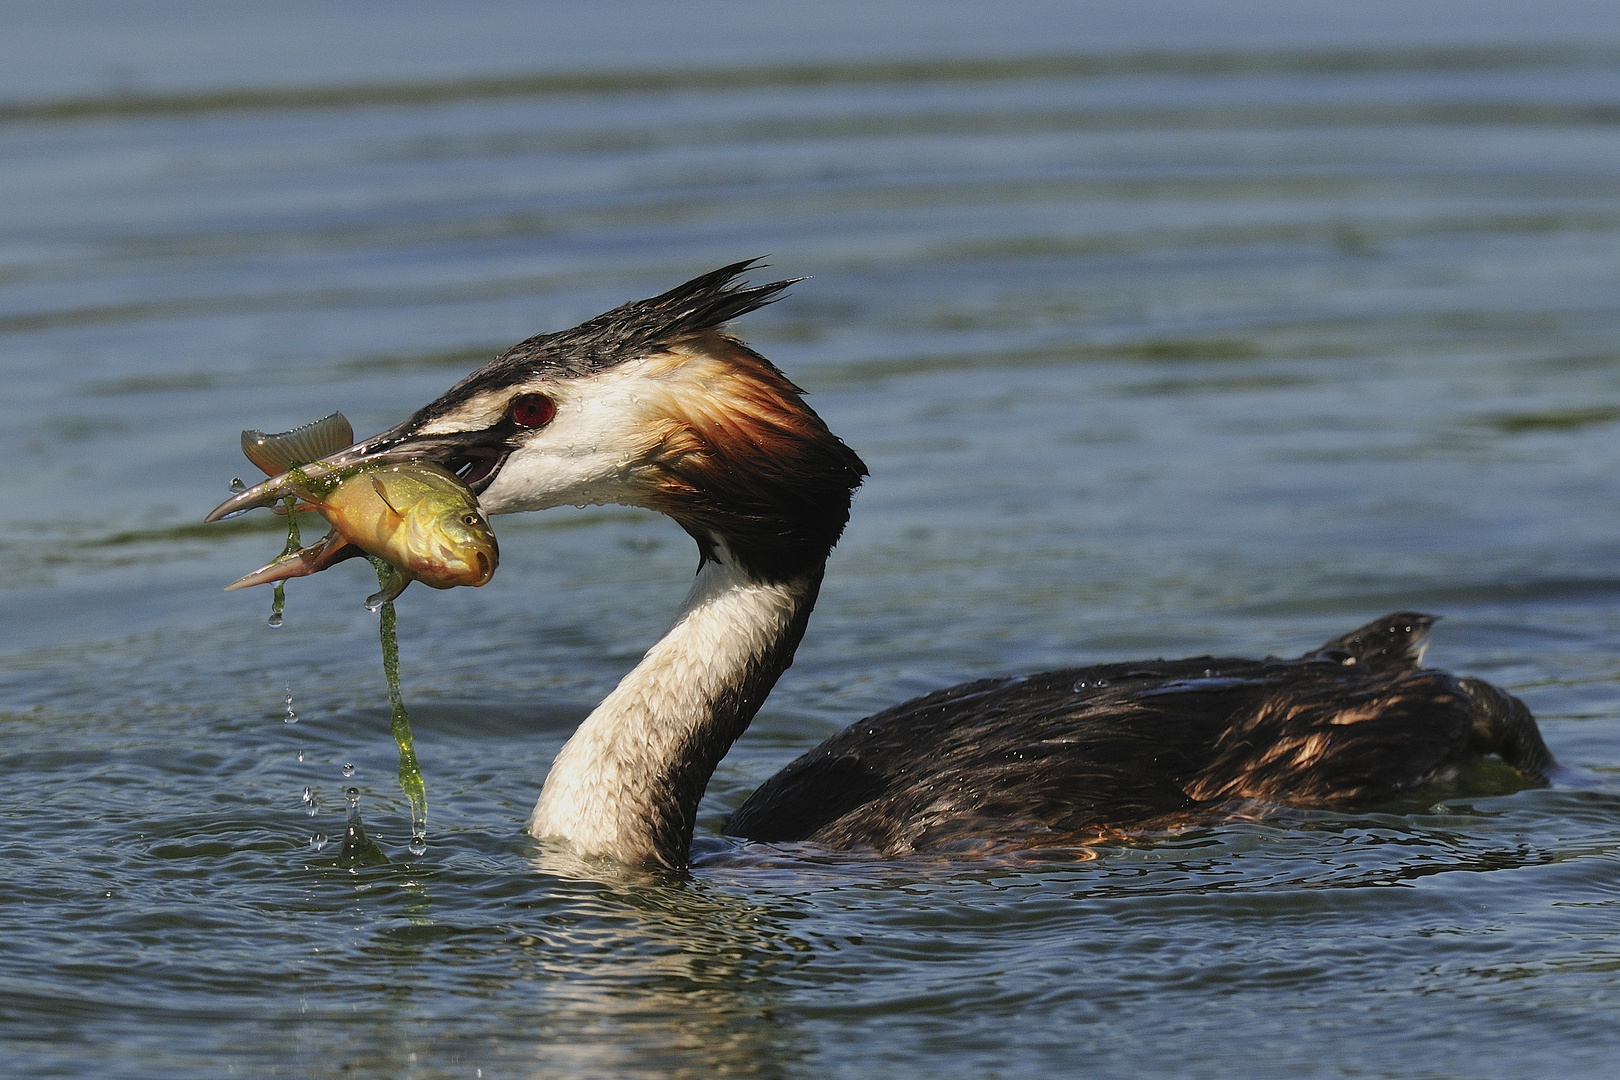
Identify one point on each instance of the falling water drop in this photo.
(318, 841)
(291, 717)
(358, 849)
(309, 802)
(278, 597)
(300, 755)
(348, 769)
(238, 485)
(274, 621)
(418, 844)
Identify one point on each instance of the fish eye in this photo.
(532, 410)
(470, 519)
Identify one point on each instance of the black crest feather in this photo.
(629, 330)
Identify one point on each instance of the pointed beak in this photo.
(474, 456)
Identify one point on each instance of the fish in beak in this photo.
(413, 513)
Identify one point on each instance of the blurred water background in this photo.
(1165, 329)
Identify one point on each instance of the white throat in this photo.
(627, 784)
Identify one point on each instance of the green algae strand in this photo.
(410, 776)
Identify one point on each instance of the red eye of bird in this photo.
(533, 410)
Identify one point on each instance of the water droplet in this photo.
(291, 717)
(275, 621)
(353, 795)
(300, 755)
(318, 841)
(348, 769)
(417, 846)
(1208, 672)
(1102, 682)
(238, 485)
(1081, 685)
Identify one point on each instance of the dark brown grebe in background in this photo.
(651, 405)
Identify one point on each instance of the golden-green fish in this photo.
(419, 517)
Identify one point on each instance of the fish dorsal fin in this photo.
(275, 454)
(382, 493)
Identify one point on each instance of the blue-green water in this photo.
(1163, 336)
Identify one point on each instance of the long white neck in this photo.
(627, 785)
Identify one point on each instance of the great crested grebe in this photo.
(652, 405)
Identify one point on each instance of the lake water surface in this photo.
(1151, 351)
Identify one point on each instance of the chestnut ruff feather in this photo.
(745, 461)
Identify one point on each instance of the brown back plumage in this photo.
(1080, 751)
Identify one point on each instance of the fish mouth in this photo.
(455, 566)
(473, 456)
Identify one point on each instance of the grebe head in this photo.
(646, 405)
(1397, 640)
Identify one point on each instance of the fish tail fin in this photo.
(288, 566)
(329, 549)
(1503, 726)
(275, 454)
